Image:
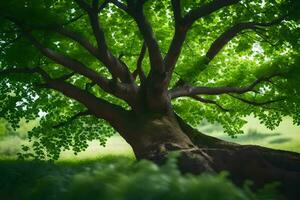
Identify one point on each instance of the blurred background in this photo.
(285, 137)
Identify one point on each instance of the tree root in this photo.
(247, 162)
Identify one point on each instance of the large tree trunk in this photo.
(153, 137)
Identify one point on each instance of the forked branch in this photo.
(113, 64)
(209, 101)
(183, 24)
(206, 9)
(139, 70)
(177, 12)
(135, 10)
(187, 90)
(256, 103)
(96, 106)
(71, 119)
(232, 32)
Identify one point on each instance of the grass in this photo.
(116, 145)
(285, 137)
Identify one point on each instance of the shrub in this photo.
(116, 178)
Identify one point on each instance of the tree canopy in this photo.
(223, 59)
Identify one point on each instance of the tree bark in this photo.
(153, 137)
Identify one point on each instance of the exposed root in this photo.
(249, 162)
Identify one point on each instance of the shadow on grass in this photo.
(280, 140)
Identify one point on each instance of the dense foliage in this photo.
(118, 179)
(251, 55)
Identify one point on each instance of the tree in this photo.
(151, 70)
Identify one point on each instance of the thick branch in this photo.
(123, 91)
(117, 89)
(98, 54)
(183, 24)
(98, 107)
(66, 76)
(139, 71)
(228, 35)
(206, 9)
(177, 41)
(116, 68)
(157, 98)
(174, 52)
(120, 5)
(176, 12)
(135, 9)
(26, 70)
(187, 90)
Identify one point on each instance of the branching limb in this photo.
(208, 101)
(71, 119)
(187, 90)
(206, 9)
(139, 70)
(177, 41)
(156, 60)
(255, 103)
(26, 70)
(96, 53)
(82, 41)
(113, 64)
(68, 62)
(117, 89)
(135, 10)
(156, 87)
(79, 39)
(177, 12)
(97, 106)
(120, 5)
(183, 24)
(232, 32)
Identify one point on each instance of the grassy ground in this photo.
(116, 145)
(285, 137)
